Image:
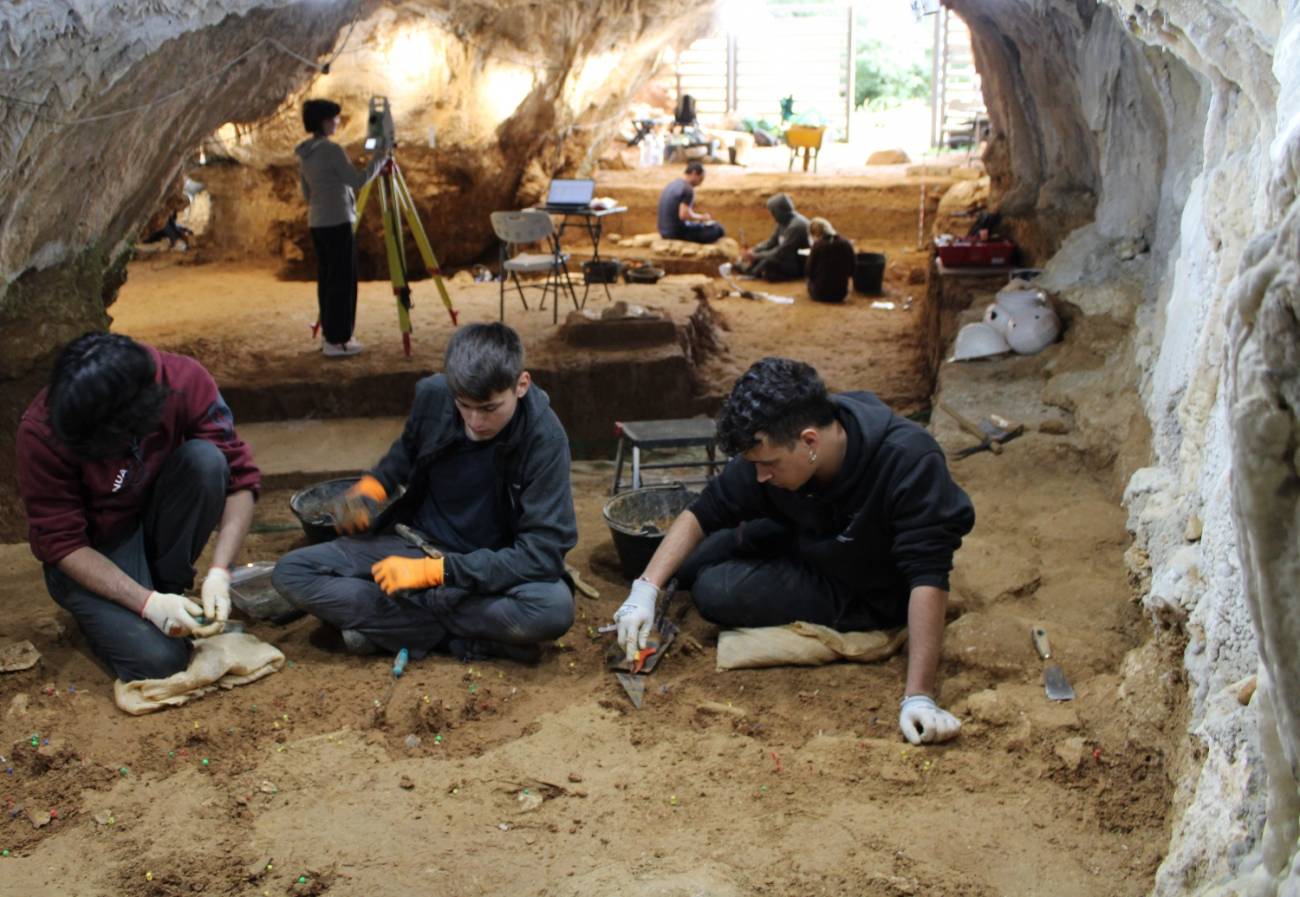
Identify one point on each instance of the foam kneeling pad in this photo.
(222, 661)
(804, 644)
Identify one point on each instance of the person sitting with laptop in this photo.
(678, 219)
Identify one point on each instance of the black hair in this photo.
(316, 112)
(482, 360)
(777, 397)
(103, 395)
(694, 167)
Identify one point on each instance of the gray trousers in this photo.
(332, 581)
(184, 508)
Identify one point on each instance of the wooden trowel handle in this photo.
(971, 427)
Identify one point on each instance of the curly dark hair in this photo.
(777, 397)
(102, 394)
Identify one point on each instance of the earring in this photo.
(812, 457)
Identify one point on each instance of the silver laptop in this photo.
(570, 193)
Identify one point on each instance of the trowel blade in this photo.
(634, 686)
(1057, 686)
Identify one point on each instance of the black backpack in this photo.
(685, 114)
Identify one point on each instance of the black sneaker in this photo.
(359, 643)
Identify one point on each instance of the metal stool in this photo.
(663, 434)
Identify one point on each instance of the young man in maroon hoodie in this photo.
(127, 462)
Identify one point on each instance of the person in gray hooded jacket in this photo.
(777, 257)
(484, 463)
(329, 182)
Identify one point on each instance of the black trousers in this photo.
(755, 576)
(779, 267)
(336, 280)
(699, 232)
(185, 507)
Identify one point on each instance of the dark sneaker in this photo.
(355, 642)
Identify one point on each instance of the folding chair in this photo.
(515, 229)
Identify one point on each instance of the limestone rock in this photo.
(959, 206)
(889, 157)
(1072, 752)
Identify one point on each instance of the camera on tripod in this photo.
(380, 134)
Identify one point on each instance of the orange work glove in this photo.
(353, 511)
(394, 574)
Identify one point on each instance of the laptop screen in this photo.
(576, 192)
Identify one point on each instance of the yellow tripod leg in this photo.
(396, 264)
(407, 204)
(361, 202)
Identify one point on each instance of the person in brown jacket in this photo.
(830, 263)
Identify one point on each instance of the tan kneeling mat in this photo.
(222, 661)
(804, 644)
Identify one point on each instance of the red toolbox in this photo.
(976, 254)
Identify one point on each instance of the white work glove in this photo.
(174, 615)
(925, 722)
(636, 617)
(216, 594)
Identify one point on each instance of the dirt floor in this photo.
(786, 781)
(497, 778)
(253, 331)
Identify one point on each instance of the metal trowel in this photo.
(634, 686)
(629, 673)
(1054, 682)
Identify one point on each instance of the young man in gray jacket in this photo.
(777, 257)
(485, 466)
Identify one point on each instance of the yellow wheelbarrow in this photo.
(805, 138)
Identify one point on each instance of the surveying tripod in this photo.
(395, 203)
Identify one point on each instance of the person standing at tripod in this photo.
(329, 184)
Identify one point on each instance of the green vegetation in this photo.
(882, 76)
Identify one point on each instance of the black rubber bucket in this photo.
(869, 273)
(638, 520)
(601, 271)
(642, 274)
(312, 507)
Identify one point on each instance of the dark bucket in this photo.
(638, 520)
(601, 271)
(869, 273)
(312, 507)
(643, 274)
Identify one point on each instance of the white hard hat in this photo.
(1032, 330)
(997, 319)
(1013, 300)
(978, 340)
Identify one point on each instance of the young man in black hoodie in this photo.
(485, 465)
(834, 510)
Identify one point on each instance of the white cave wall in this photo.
(1192, 151)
